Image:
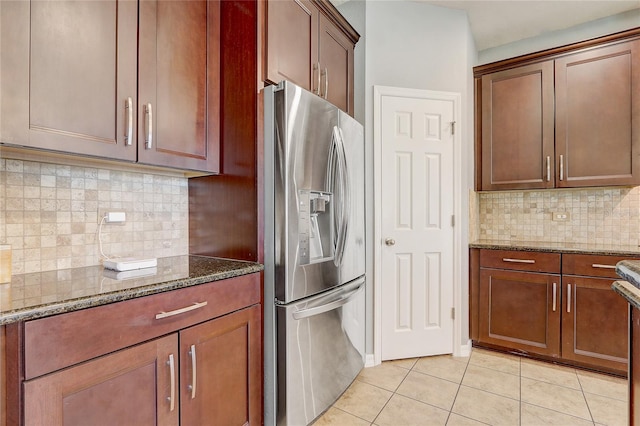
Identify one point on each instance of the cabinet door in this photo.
(179, 84)
(292, 43)
(597, 121)
(220, 373)
(335, 53)
(517, 128)
(129, 387)
(595, 323)
(67, 72)
(520, 310)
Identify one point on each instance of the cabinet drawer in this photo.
(60, 341)
(591, 265)
(520, 260)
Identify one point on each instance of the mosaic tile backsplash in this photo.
(50, 214)
(598, 216)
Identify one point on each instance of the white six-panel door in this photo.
(416, 243)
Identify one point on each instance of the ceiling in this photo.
(494, 22)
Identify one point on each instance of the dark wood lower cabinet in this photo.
(595, 323)
(206, 374)
(127, 387)
(554, 306)
(224, 389)
(520, 310)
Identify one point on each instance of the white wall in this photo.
(419, 46)
(600, 27)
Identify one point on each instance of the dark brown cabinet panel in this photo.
(597, 125)
(336, 57)
(220, 370)
(68, 93)
(595, 322)
(563, 118)
(292, 43)
(179, 84)
(144, 90)
(520, 310)
(307, 46)
(517, 128)
(126, 387)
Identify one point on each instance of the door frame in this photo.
(459, 349)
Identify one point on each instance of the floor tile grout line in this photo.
(458, 391)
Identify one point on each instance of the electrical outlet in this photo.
(115, 217)
(560, 216)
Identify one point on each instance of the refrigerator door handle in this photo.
(344, 206)
(341, 300)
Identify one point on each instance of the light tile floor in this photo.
(485, 388)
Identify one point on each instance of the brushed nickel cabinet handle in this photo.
(128, 109)
(568, 298)
(316, 71)
(172, 372)
(148, 138)
(194, 374)
(181, 310)
(561, 167)
(506, 259)
(548, 168)
(555, 294)
(326, 83)
(601, 266)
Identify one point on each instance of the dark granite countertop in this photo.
(609, 249)
(629, 270)
(41, 294)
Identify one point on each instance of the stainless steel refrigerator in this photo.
(314, 254)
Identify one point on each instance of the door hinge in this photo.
(453, 220)
(453, 127)
(453, 313)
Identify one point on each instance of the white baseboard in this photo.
(464, 350)
(369, 361)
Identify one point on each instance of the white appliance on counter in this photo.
(314, 254)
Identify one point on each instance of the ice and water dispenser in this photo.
(315, 229)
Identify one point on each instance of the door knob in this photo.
(389, 241)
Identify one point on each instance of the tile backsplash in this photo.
(50, 214)
(598, 216)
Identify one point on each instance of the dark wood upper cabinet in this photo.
(517, 128)
(335, 55)
(179, 84)
(97, 79)
(597, 135)
(561, 118)
(292, 43)
(310, 44)
(66, 92)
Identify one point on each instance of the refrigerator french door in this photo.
(314, 254)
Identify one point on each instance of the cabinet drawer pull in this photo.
(148, 138)
(506, 259)
(568, 298)
(548, 168)
(181, 310)
(128, 108)
(561, 167)
(194, 374)
(601, 266)
(555, 292)
(172, 372)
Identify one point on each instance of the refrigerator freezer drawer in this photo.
(320, 351)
